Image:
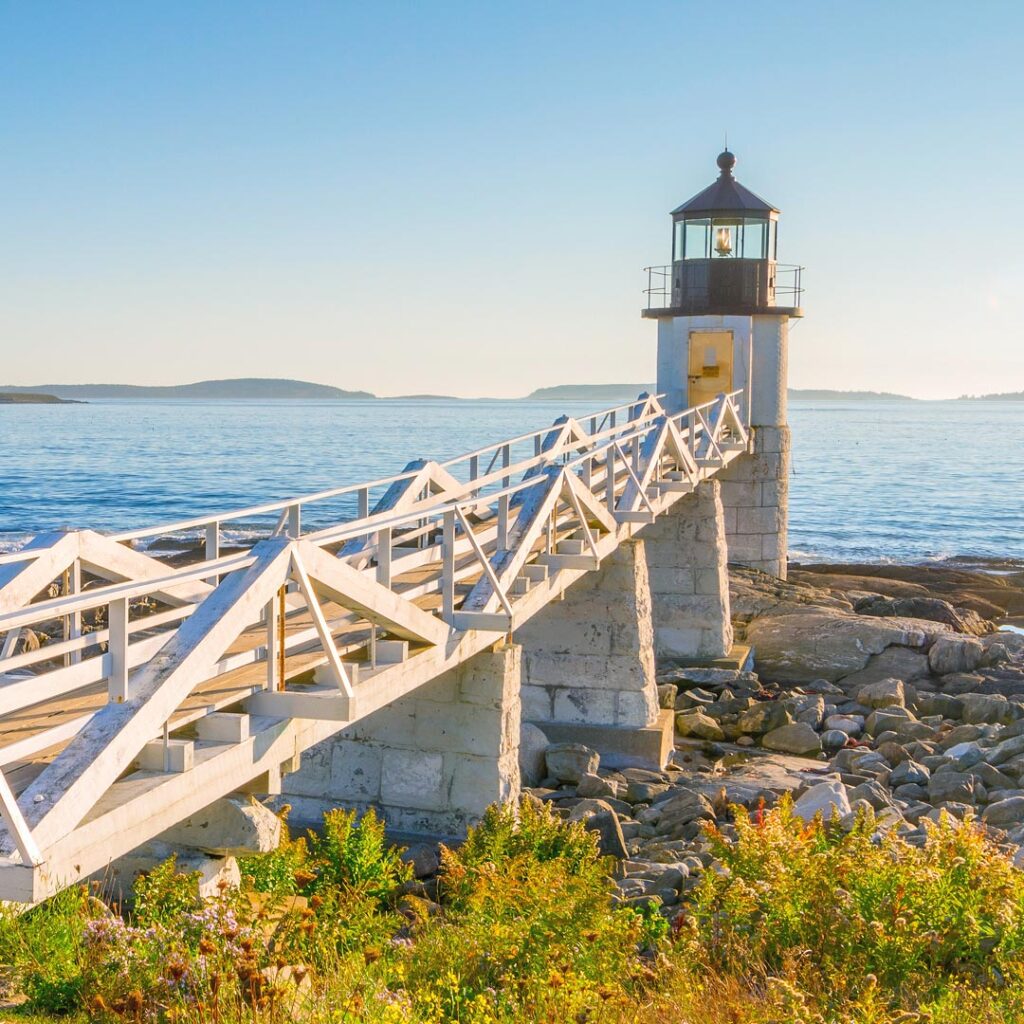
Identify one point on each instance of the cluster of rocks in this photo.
(856, 703)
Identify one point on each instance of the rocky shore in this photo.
(891, 688)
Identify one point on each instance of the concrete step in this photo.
(570, 547)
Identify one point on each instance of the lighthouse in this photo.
(723, 307)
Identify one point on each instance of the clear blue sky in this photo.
(459, 197)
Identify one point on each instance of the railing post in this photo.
(474, 470)
(609, 482)
(504, 502)
(364, 502)
(448, 565)
(213, 548)
(295, 521)
(117, 648)
(72, 584)
(384, 556)
(271, 617)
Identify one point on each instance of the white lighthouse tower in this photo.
(723, 308)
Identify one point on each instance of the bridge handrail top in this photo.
(350, 530)
(334, 492)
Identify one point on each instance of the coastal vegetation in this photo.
(33, 398)
(800, 923)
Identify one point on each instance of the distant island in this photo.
(273, 388)
(34, 398)
(826, 394)
(1006, 396)
(236, 388)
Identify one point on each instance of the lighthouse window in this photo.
(754, 240)
(696, 240)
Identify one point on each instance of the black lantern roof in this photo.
(725, 196)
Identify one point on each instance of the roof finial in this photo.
(726, 160)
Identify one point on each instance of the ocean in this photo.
(872, 481)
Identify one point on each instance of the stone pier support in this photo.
(588, 664)
(686, 562)
(431, 762)
(755, 497)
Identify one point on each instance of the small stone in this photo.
(745, 741)
(852, 725)
(764, 717)
(798, 738)
(667, 693)
(568, 762)
(696, 723)
(833, 740)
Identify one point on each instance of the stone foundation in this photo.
(755, 498)
(588, 660)
(431, 762)
(686, 564)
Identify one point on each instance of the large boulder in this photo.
(885, 693)
(568, 762)
(893, 663)
(1005, 812)
(533, 746)
(961, 620)
(230, 827)
(987, 709)
(599, 816)
(955, 654)
(827, 644)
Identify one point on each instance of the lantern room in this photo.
(724, 255)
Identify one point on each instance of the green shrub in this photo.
(859, 907)
(354, 853)
(162, 895)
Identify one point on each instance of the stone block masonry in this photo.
(429, 763)
(589, 659)
(686, 563)
(755, 497)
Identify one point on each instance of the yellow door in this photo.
(710, 365)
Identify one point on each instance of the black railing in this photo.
(668, 288)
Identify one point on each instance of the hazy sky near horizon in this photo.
(459, 198)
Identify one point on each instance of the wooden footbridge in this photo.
(164, 683)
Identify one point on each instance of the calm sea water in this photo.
(885, 481)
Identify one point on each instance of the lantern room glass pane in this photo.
(754, 240)
(696, 240)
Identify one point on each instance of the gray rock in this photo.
(798, 738)
(892, 663)
(886, 720)
(698, 724)
(230, 827)
(955, 654)
(873, 793)
(568, 762)
(1005, 812)
(852, 725)
(764, 717)
(598, 816)
(885, 693)
(592, 785)
(951, 787)
(987, 707)
(909, 773)
(964, 755)
(533, 745)
(830, 799)
(827, 644)
(667, 693)
(1006, 751)
(833, 740)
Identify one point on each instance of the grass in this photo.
(803, 924)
